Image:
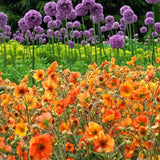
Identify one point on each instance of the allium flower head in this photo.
(76, 24)
(152, 1)
(46, 19)
(88, 4)
(98, 18)
(149, 14)
(81, 10)
(58, 22)
(22, 24)
(64, 6)
(97, 9)
(52, 24)
(108, 27)
(50, 9)
(87, 33)
(3, 20)
(135, 18)
(149, 21)
(109, 20)
(69, 25)
(103, 29)
(143, 30)
(116, 41)
(121, 33)
(72, 15)
(33, 18)
(71, 44)
(7, 28)
(115, 25)
(155, 34)
(76, 34)
(60, 16)
(128, 14)
(157, 27)
(39, 29)
(123, 8)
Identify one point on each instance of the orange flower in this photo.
(74, 76)
(142, 130)
(63, 127)
(126, 90)
(21, 129)
(158, 50)
(108, 100)
(19, 149)
(103, 143)
(21, 90)
(52, 68)
(157, 60)
(122, 104)
(69, 147)
(114, 83)
(40, 147)
(39, 75)
(11, 158)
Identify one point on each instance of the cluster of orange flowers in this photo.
(111, 112)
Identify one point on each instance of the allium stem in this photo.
(4, 41)
(33, 56)
(84, 37)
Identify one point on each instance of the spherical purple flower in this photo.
(50, 9)
(71, 44)
(63, 30)
(108, 27)
(88, 4)
(97, 9)
(69, 25)
(83, 43)
(76, 34)
(7, 28)
(98, 18)
(64, 6)
(33, 18)
(57, 34)
(149, 21)
(52, 24)
(60, 16)
(149, 14)
(103, 29)
(87, 33)
(115, 25)
(123, 8)
(143, 30)
(155, 34)
(149, 1)
(76, 24)
(121, 33)
(38, 29)
(157, 27)
(49, 33)
(155, 1)
(128, 14)
(135, 18)
(72, 15)
(22, 24)
(46, 19)
(80, 10)
(3, 20)
(58, 22)
(116, 41)
(109, 20)
(91, 31)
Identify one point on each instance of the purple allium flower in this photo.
(116, 41)
(152, 1)
(149, 14)
(135, 18)
(115, 25)
(22, 24)
(155, 34)
(33, 18)
(108, 27)
(60, 16)
(69, 25)
(103, 29)
(80, 10)
(76, 34)
(52, 24)
(50, 9)
(109, 20)
(157, 27)
(64, 6)
(88, 4)
(87, 33)
(76, 24)
(46, 19)
(63, 30)
(128, 14)
(83, 43)
(72, 15)
(57, 34)
(149, 21)
(123, 21)
(98, 18)
(49, 33)
(58, 23)
(3, 20)
(7, 28)
(143, 29)
(97, 9)
(155, 1)
(123, 8)
(121, 33)
(71, 44)
(38, 29)
(91, 31)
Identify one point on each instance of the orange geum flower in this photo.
(69, 147)
(63, 127)
(157, 60)
(39, 75)
(21, 90)
(40, 147)
(142, 130)
(114, 83)
(103, 143)
(108, 100)
(126, 90)
(19, 149)
(122, 104)
(11, 157)
(21, 129)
